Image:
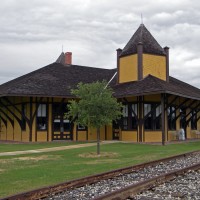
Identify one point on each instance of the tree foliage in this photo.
(96, 106)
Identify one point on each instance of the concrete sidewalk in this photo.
(76, 146)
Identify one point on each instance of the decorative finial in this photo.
(141, 19)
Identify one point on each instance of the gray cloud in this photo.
(33, 32)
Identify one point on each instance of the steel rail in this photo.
(134, 189)
(58, 188)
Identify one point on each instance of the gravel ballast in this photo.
(105, 186)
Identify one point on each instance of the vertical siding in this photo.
(128, 69)
(154, 65)
(109, 133)
(153, 136)
(82, 135)
(41, 136)
(129, 136)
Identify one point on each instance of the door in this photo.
(115, 126)
(62, 128)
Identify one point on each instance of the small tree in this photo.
(96, 106)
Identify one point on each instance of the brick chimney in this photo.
(68, 58)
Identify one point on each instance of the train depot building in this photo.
(156, 105)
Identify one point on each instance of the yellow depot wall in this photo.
(74, 135)
(102, 133)
(128, 69)
(188, 128)
(129, 136)
(153, 136)
(10, 130)
(25, 136)
(41, 136)
(92, 134)
(17, 128)
(154, 65)
(109, 135)
(82, 135)
(2, 131)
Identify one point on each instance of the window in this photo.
(42, 117)
(81, 128)
(171, 118)
(129, 120)
(23, 121)
(193, 120)
(158, 122)
(125, 117)
(153, 119)
(148, 121)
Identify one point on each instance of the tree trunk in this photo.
(98, 141)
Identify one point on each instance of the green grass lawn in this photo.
(27, 172)
(31, 146)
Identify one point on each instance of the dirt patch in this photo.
(37, 158)
(101, 155)
(31, 158)
(102, 161)
(2, 170)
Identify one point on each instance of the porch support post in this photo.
(140, 99)
(31, 119)
(163, 117)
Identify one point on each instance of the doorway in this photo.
(62, 128)
(115, 128)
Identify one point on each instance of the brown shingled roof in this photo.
(150, 45)
(57, 80)
(54, 80)
(153, 85)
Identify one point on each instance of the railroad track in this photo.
(117, 184)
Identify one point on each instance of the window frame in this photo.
(154, 118)
(45, 117)
(129, 117)
(171, 123)
(81, 128)
(182, 116)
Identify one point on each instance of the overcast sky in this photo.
(32, 33)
